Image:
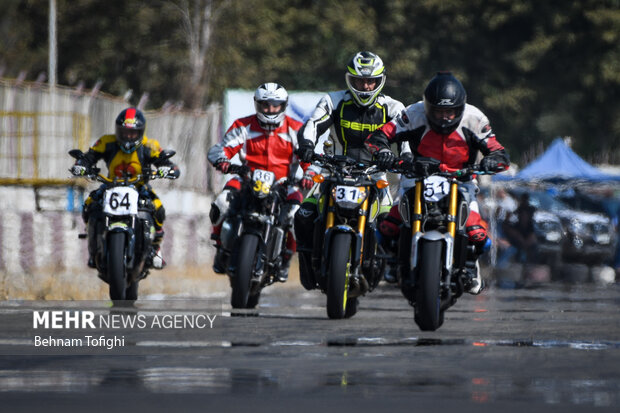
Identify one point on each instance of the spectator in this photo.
(519, 231)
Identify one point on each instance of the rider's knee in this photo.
(160, 216)
(219, 207)
(389, 225)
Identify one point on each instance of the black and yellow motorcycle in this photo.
(344, 261)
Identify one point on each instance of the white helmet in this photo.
(275, 95)
(365, 66)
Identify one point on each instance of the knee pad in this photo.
(479, 238)
(160, 216)
(219, 208)
(389, 226)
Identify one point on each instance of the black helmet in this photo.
(444, 102)
(130, 125)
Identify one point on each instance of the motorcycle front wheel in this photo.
(241, 280)
(116, 266)
(338, 276)
(427, 309)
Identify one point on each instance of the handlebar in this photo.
(460, 174)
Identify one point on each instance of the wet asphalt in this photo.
(555, 347)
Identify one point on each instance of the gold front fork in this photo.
(361, 225)
(452, 209)
(330, 213)
(417, 209)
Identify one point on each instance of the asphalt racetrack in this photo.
(554, 348)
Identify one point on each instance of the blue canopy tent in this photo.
(559, 163)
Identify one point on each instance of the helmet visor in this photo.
(364, 84)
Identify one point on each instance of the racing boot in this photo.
(474, 284)
(219, 261)
(92, 243)
(282, 273)
(157, 260)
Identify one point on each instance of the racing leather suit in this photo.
(350, 125)
(271, 150)
(121, 164)
(454, 151)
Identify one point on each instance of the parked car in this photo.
(590, 237)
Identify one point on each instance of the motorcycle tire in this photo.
(338, 276)
(116, 266)
(241, 280)
(427, 310)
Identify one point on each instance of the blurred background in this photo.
(539, 70)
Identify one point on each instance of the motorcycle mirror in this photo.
(76, 153)
(166, 154)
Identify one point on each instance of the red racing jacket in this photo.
(454, 151)
(259, 148)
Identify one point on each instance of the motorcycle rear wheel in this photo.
(427, 310)
(338, 276)
(241, 280)
(116, 266)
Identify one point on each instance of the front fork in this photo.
(448, 238)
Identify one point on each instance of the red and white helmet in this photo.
(273, 94)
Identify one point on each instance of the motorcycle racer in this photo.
(444, 127)
(266, 140)
(351, 115)
(125, 153)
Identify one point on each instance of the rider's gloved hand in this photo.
(385, 159)
(163, 171)
(404, 163)
(305, 151)
(222, 165)
(306, 181)
(79, 170)
(492, 164)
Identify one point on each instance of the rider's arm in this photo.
(231, 143)
(320, 120)
(97, 151)
(481, 136)
(154, 151)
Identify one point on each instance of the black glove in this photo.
(492, 164)
(404, 164)
(305, 150)
(385, 159)
(222, 165)
(79, 170)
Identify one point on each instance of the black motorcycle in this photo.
(125, 228)
(434, 247)
(253, 235)
(344, 262)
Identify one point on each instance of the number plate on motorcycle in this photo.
(349, 195)
(120, 201)
(435, 188)
(262, 180)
